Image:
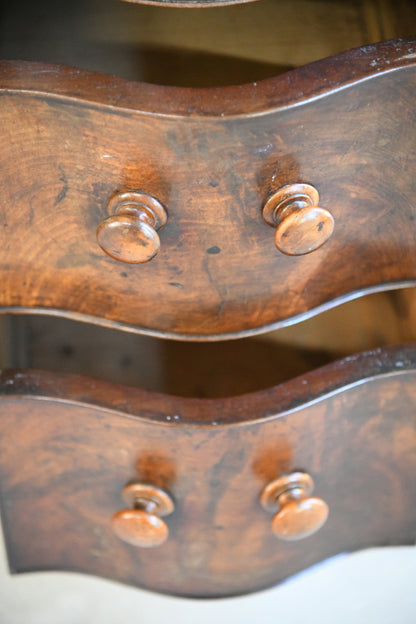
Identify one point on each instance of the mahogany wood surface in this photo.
(212, 157)
(69, 445)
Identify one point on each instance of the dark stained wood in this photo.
(344, 125)
(68, 446)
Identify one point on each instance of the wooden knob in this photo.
(142, 525)
(301, 225)
(298, 515)
(129, 234)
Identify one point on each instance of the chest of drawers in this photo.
(202, 215)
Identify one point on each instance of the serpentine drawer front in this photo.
(221, 496)
(203, 214)
(207, 213)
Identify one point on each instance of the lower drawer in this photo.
(69, 445)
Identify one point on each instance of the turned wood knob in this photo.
(298, 514)
(129, 234)
(301, 225)
(142, 525)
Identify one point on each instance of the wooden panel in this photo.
(68, 446)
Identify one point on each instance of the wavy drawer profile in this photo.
(336, 448)
(215, 165)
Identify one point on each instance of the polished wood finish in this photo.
(142, 526)
(129, 234)
(220, 153)
(298, 514)
(301, 225)
(68, 445)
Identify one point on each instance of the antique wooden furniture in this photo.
(202, 215)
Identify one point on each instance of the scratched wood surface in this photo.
(68, 445)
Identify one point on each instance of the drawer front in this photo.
(71, 140)
(69, 446)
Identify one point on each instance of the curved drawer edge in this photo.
(295, 87)
(173, 411)
(212, 337)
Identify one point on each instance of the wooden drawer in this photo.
(69, 445)
(212, 158)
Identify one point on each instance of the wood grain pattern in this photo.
(69, 445)
(346, 126)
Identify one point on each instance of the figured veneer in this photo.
(69, 445)
(213, 157)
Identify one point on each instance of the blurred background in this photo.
(196, 47)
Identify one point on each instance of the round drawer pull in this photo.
(129, 234)
(301, 225)
(298, 515)
(142, 525)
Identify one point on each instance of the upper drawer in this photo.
(71, 139)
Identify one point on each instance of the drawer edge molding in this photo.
(251, 408)
(212, 337)
(295, 87)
